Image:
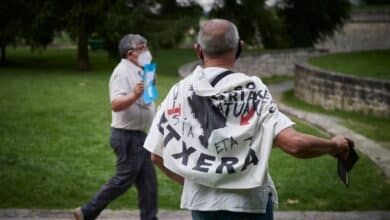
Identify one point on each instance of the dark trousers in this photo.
(133, 166)
(227, 215)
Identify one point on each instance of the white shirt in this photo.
(139, 115)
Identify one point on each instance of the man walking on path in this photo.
(215, 130)
(130, 117)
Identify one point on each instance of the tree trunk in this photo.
(3, 54)
(82, 48)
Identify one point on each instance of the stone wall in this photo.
(366, 30)
(268, 63)
(276, 62)
(342, 92)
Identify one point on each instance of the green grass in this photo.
(54, 151)
(374, 64)
(54, 129)
(372, 127)
(313, 184)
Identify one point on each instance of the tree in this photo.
(292, 23)
(10, 17)
(257, 25)
(307, 21)
(32, 21)
(36, 22)
(376, 2)
(81, 19)
(172, 21)
(162, 22)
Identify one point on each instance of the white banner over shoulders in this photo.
(216, 136)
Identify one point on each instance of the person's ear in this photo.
(129, 53)
(242, 43)
(132, 56)
(239, 48)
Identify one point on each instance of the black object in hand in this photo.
(344, 166)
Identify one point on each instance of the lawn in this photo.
(54, 151)
(373, 64)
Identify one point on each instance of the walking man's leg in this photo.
(146, 184)
(127, 169)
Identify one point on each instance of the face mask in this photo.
(238, 53)
(144, 58)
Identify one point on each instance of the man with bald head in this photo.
(215, 129)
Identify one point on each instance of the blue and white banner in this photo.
(150, 91)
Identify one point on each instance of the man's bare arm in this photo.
(122, 102)
(160, 163)
(306, 146)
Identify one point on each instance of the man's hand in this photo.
(160, 163)
(124, 101)
(139, 89)
(342, 146)
(306, 146)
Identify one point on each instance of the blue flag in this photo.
(150, 91)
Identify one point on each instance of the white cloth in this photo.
(195, 195)
(139, 115)
(217, 136)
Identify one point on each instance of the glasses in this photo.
(141, 48)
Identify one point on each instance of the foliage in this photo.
(32, 21)
(81, 19)
(292, 23)
(11, 20)
(257, 26)
(163, 22)
(307, 21)
(376, 2)
(296, 23)
(172, 22)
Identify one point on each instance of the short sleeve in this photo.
(282, 123)
(119, 85)
(154, 140)
(281, 120)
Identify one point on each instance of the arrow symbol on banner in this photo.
(245, 118)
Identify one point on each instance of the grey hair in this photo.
(216, 40)
(129, 42)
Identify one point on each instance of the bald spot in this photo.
(215, 30)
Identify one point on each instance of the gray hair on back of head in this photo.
(218, 36)
(129, 42)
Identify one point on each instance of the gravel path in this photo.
(14, 214)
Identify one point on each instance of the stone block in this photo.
(347, 93)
